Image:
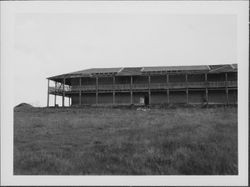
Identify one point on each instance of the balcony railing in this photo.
(170, 85)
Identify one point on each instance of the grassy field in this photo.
(105, 141)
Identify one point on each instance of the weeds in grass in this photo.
(97, 141)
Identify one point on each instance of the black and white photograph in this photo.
(124, 93)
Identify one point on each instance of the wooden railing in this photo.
(170, 85)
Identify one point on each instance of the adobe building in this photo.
(205, 84)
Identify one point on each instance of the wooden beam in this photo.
(48, 95)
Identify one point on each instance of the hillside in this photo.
(105, 141)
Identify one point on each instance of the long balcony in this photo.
(138, 87)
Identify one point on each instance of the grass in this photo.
(106, 141)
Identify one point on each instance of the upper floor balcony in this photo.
(138, 87)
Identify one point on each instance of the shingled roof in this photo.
(129, 71)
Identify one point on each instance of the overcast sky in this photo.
(51, 44)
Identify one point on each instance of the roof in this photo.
(129, 71)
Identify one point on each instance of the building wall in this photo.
(232, 96)
(177, 78)
(196, 96)
(158, 79)
(122, 98)
(122, 80)
(140, 79)
(232, 76)
(159, 97)
(138, 95)
(105, 80)
(215, 77)
(217, 96)
(177, 97)
(196, 77)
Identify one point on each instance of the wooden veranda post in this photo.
(55, 93)
(149, 91)
(96, 97)
(167, 79)
(48, 95)
(80, 91)
(186, 79)
(226, 89)
(63, 92)
(131, 92)
(206, 89)
(113, 86)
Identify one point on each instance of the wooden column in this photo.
(96, 94)
(113, 90)
(226, 89)
(48, 95)
(207, 95)
(63, 92)
(167, 80)
(206, 88)
(149, 91)
(186, 79)
(168, 96)
(80, 90)
(131, 88)
(55, 93)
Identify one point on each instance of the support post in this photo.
(149, 91)
(63, 92)
(131, 92)
(207, 96)
(168, 96)
(80, 91)
(96, 96)
(205, 77)
(226, 89)
(55, 93)
(186, 79)
(227, 95)
(167, 80)
(113, 90)
(48, 95)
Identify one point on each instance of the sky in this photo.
(48, 44)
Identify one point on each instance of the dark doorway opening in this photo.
(146, 100)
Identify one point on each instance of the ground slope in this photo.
(95, 141)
